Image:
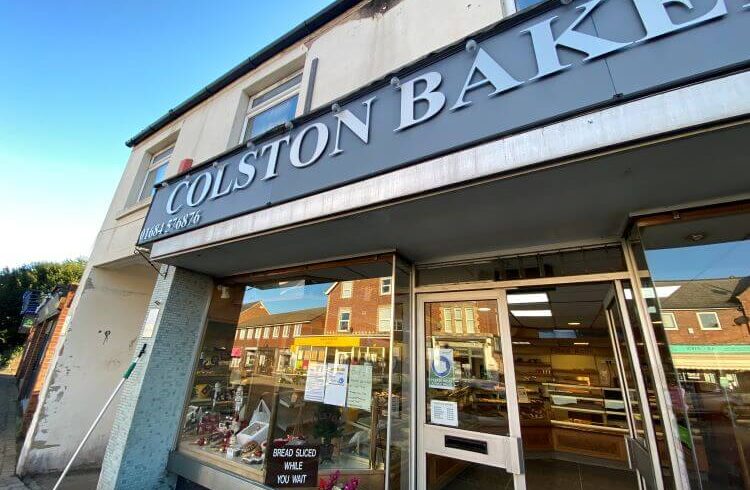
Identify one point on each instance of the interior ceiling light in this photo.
(696, 237)
(484, 308)
(580, 343)
(526, 298)
(648, 293)
(574, 324)
(518, 342)
(531, 312)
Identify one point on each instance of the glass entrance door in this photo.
(468, 425)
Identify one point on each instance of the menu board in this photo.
(359, 394)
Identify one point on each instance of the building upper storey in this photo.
(346, 46)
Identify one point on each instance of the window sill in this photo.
(134, 208)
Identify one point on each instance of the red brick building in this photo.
(40, 348)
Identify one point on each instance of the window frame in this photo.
(348, 288)
(348, 327)
(266, 332)
(251, 111)
(297, 329)
(700, 322)
(257, 332)
(387, 286)
(470, 313)
(276, 332)
(382, 308)
(285, 330)
(674, 321)
(155, 163)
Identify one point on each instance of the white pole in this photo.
(99, 417)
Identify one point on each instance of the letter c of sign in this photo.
(170, 201)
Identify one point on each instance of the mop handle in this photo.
(125, 376)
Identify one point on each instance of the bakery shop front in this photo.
(523, 262)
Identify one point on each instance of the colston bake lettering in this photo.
(421, 98)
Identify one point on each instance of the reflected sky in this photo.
(293, 296)
(701, 261)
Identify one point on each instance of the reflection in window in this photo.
(274, 388)
(700, 272)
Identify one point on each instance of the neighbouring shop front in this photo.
(577, 321)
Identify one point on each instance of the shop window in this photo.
(384, 318)
(346, 289)
(566, 262)
(156, 173)
(345, 319)
(697, 263)
(708, 320)
(272, 107)
(329, 390)
(668, 321)
(385, 285)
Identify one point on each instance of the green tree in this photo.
(40, 276)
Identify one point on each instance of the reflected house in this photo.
(263, 341)
(357, 325)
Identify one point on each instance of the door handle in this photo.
(464, 444)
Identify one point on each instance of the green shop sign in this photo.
(709, 349)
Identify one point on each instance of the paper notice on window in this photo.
(442, 369)
(337, 376)
(150, 323)
(316, 381)
(359, 394)
(444, 413)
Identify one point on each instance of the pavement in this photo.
(9, 424)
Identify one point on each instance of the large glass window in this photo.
(326, 390)
(699, 266)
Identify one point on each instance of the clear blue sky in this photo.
(79, 78)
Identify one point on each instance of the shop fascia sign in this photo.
(380, 131)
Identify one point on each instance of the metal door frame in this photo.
(513, 449)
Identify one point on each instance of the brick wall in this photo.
(363, 304)
(730, 332)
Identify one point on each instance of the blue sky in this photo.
(79, 78)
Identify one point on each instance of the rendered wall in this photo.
(95, 349)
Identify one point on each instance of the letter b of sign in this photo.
(435, 100)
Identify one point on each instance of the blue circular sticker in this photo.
(441, 366)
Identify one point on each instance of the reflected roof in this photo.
(299, 316)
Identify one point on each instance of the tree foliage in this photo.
(39, 276)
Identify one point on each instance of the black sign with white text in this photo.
(293, 466)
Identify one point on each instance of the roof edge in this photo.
(305, 28)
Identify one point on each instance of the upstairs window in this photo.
(384, 318)
(272, 107)
(286, 331)
(709, 320)
(298, 329)
(385, 286)
(668, 320)
(345, 318)
(157, 172)
(346, 289)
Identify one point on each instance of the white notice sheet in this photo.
(316, 381)
(337, 376)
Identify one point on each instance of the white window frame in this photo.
(277, 99)
(297, 329)
(471, 326)
(700, 322)
(386, 284)
(266, 332)
(285, 332)
(665, 314)
(276, 332)
(347, 289)
(155, 163)
(257, 333)
(458, 319)
(447, 319)
(243, 333)
(386, 318)
(348, 321)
